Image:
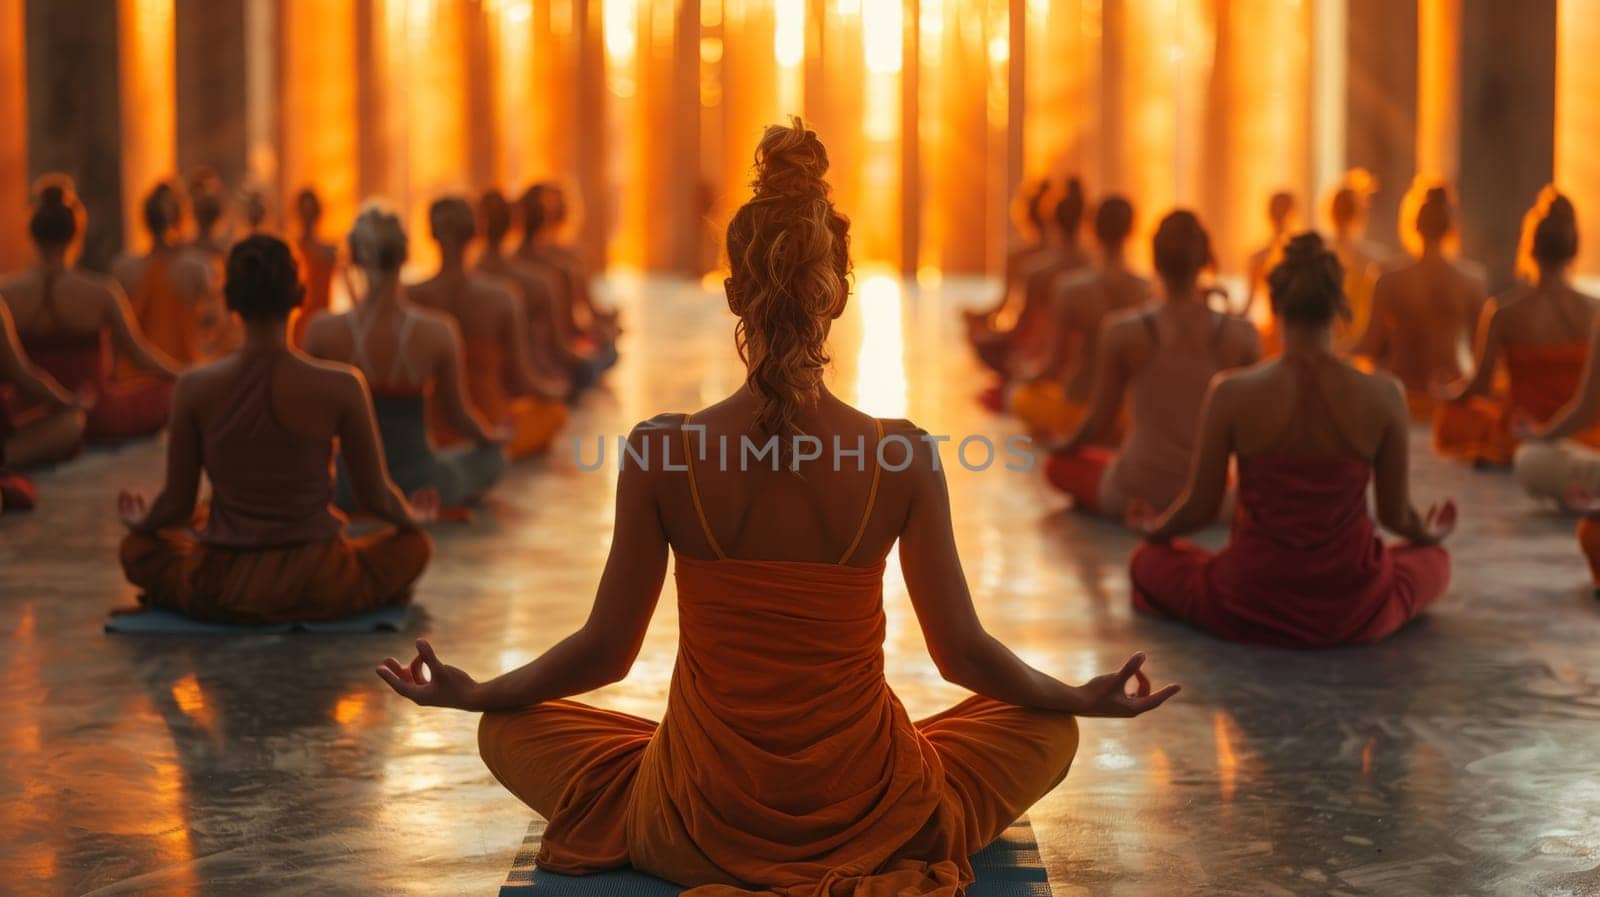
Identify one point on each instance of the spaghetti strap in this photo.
(358, 344)
(47, 305)
(694, 491)
(872, 499)
(400, 368)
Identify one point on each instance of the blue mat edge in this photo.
(1010, 866)
(383, 620)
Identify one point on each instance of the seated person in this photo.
(493, 335)
(74, 326)
(1424, 312)
(321, 261)
(1012, 350)
(549, 243)
(1304, 566)
(1055, 402)
(261, 424)
(410, 356)
(169, 288)
(784, 763)
(1281, 208)
(587, 334)
(552, 358)
(1363, 259)
(1542, 333)
(50, 430)
(1028, 218)
(1162, 358)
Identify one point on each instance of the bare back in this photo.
(1424, 315)
(482, 307)
(1548, 315)
(1086, 304)
(76, 304)
(397, 347)
(1317, 409)
(761, 514)
(309, 397)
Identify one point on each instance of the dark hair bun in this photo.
(1555, 237)
(1113, 220)
(263, 279)
(1307, 284)
(55, 211)
(1181, 247)
(1436, 215)
(1069, 211)
(791, 163)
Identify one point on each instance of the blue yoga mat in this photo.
(164, 622)
(1009, 867)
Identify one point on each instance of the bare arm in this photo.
(1202, 498)
(1391, 471)
(962, 649)
(364, 464)
(603, 649)
(1488, 358)
(129, 339)
(452, 391)
(1580, 413)
(16, 369)
(1110, 380)
(175, 505)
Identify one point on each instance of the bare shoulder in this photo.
(127, 269)
(494, 292)
(909, 451)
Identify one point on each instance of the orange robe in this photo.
(319, 294)
(1044, 407)
(534, 422)
(1542, 379)
(784, 764)
(168, 321)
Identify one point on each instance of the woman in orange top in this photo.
(494, 334)
(784, 763)
(1541, 331)
(320, 260)
(168, 287)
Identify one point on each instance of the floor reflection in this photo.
(1456, 758)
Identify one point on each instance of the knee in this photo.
(491, 740)
(417, 547)
(1537, 467)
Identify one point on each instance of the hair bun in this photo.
(53, 196)
(1560, 210)
(791, 163)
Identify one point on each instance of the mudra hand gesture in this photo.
(1109, 695)
(429, 682)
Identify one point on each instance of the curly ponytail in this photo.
(1549, 234)
(789, 257)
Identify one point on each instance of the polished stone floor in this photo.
(1459, 758)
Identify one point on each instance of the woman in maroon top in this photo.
(261, 423)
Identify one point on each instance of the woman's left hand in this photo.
(1139, 516)
(131, 509)
(1108, 695)
(429, 682)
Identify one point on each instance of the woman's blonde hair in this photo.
(789, 258)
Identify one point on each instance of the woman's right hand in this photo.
(132, 509)
(429, 682)
(424, 506)
(1438, 523)
(1108, 695)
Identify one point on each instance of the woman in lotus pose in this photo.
(410, 356)
(501, 382)
(1305, 567)
(261, 424)
(784, 762)
(321, 260)
(1162, 357)
(168, 287)
(1541, 331)
(73, 325)
(1424, 313)
(52, 430)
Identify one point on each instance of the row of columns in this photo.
(81, 84)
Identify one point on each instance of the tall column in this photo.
(73, 112)
(319, 84)
(147, 76)
(212, 100)
(13, 135)
(1578, 120)
(1381, 110)
(588, 126)
(1507, 151)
